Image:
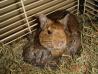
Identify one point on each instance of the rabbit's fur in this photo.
(54, 37)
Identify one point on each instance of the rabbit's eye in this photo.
(49, 32)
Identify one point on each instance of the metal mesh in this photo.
(13, 22)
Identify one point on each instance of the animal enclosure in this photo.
(17, 21)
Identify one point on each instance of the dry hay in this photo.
(11, 61)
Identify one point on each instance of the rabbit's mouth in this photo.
(54, 44)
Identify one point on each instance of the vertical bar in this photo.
(26, 16)
(78, 8)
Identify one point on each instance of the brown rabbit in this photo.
(53, 38)
(50, 42)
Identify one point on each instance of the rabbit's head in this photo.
(53, 35)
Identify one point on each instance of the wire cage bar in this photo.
(16, 15)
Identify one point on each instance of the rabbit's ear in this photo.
(64, 21)
(43, 21)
